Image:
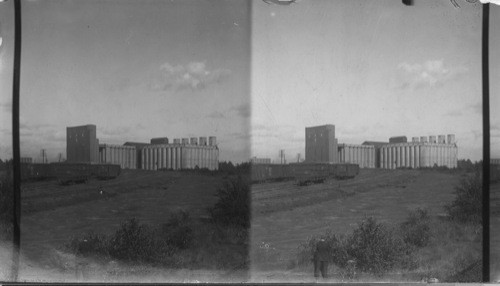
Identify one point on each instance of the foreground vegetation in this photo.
(6, 198)
(181, 242)
(414, 246)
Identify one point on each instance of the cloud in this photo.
(242, 110)
(432, 73)
(193, 76)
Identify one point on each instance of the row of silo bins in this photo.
(420, 153)
(212, 141)
(363, 155)
(122, 155)
(182, 154)
(176, 157)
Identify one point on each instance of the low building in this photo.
(26, 160)
(398, 139)
(256, 160)
(160, 140)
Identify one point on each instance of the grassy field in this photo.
(284, 215)
(495, 232)
(53, 214)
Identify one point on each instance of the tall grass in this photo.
(467, 206)
(181, 242)
(416, 230)
(6, 202)
(233, 205)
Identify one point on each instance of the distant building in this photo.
(256, 160)
(495, 161)
(26, 160)
(138, 148)
(377, 145)
(363, 155)
(161, 140)
(321, 144)
(398, 139)
(180, 156)
(122, 155)
(418, 154)
(82, 145)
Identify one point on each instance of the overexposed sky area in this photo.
(252, 74)
(374, 69)
(136, 69)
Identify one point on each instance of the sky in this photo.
(255, 77)
(374, 69)
(135, 69)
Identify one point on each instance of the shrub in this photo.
(233, 206)
(372, 247)
(375, 247)
(134, 242)
(467, 206)
(416, 230)
(178, 231)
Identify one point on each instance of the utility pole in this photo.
(44, 156)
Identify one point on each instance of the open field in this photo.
(285, 215)
(53, 214)
(495, 231)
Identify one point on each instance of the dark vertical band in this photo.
(486, 144)
(15, 139)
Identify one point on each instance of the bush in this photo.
(467, 206)
(375, 247)
(178, 231)
(416, 230)
(134, 242)
(233, 206)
